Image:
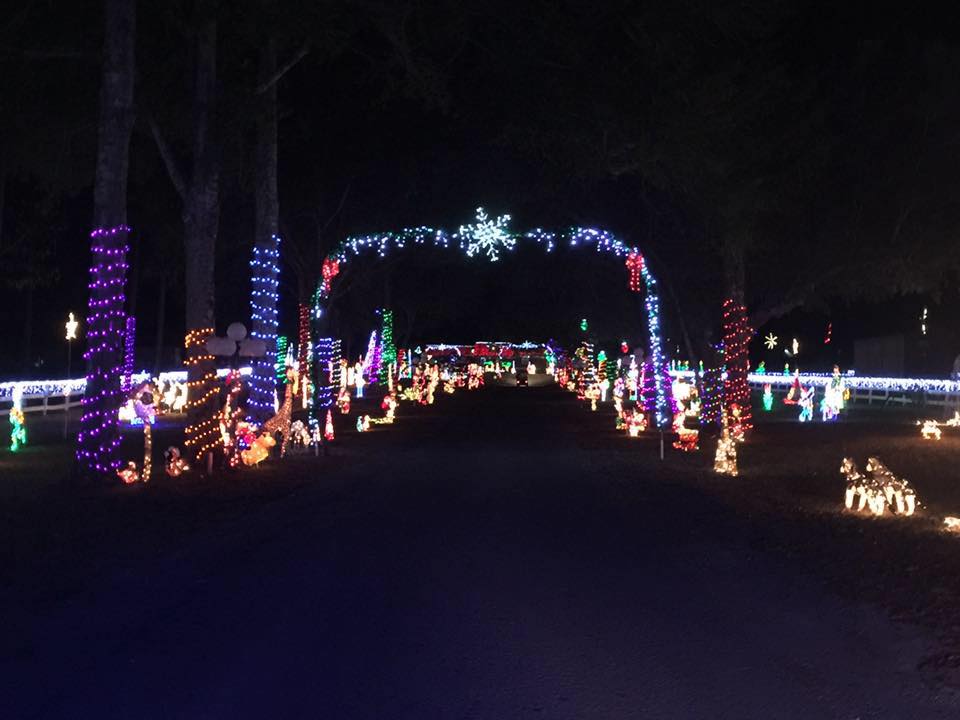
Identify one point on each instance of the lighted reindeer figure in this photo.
(280, 423)
(878, 490)
(856, 484)
(897, 491)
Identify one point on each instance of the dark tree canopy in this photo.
(802, 154)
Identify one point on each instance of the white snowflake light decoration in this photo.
(771, 341)
(487, 235)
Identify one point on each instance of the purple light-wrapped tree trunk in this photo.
(98, 440)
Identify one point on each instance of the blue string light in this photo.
(488, 237)
(263, 314)
(324, 389)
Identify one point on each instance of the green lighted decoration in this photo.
(389, 353)
(280, 365)
(18, 431)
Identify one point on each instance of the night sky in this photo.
(821, 136)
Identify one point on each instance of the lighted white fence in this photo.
(46, 396)
(876, 391)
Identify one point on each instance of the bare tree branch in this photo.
(333, 216)
(275, 78)
(176, 175)
(62, 54)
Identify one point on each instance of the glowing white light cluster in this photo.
(878, 490)
(486, 236)
(71, 327)
(39, 388)
(930, 385)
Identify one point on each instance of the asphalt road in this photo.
(499, 555)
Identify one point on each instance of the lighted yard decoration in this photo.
(328, 433)
(128, 474)
(299, 434)
(879, 490)
(303, 346)
(687, 437)
(930, 430)
(71, 327)
(491, 238)
(725, 459)
(767, 397)
(806, 403)
(894, 488)
(280, 422)
(833, 396)
(258, 450)
(18, 426)
(174, 464)
(343, 401)
(388, 351)
(140, 409)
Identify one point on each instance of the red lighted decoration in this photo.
(330, 269)
(303, 347)
(328, 428)
(635, 267)
(736, 390)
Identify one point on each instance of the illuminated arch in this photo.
(490, 237)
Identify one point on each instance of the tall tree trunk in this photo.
(98, 440)
(161, 319)
(734, 269)
(202, 200)
(202, 217)
(26, 341)
(134, 273)
(266, 242)
(267, 203)
(3, 186)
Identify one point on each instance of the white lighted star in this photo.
(72, 326)
(487, 235)
(770, 341)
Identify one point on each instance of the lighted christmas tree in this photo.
(371, 360)
(388, 355)
(736, 390)
(648, 389)
(712, 405)
(666, 382)
(303, 347)
(589, 363)
(280, 361)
